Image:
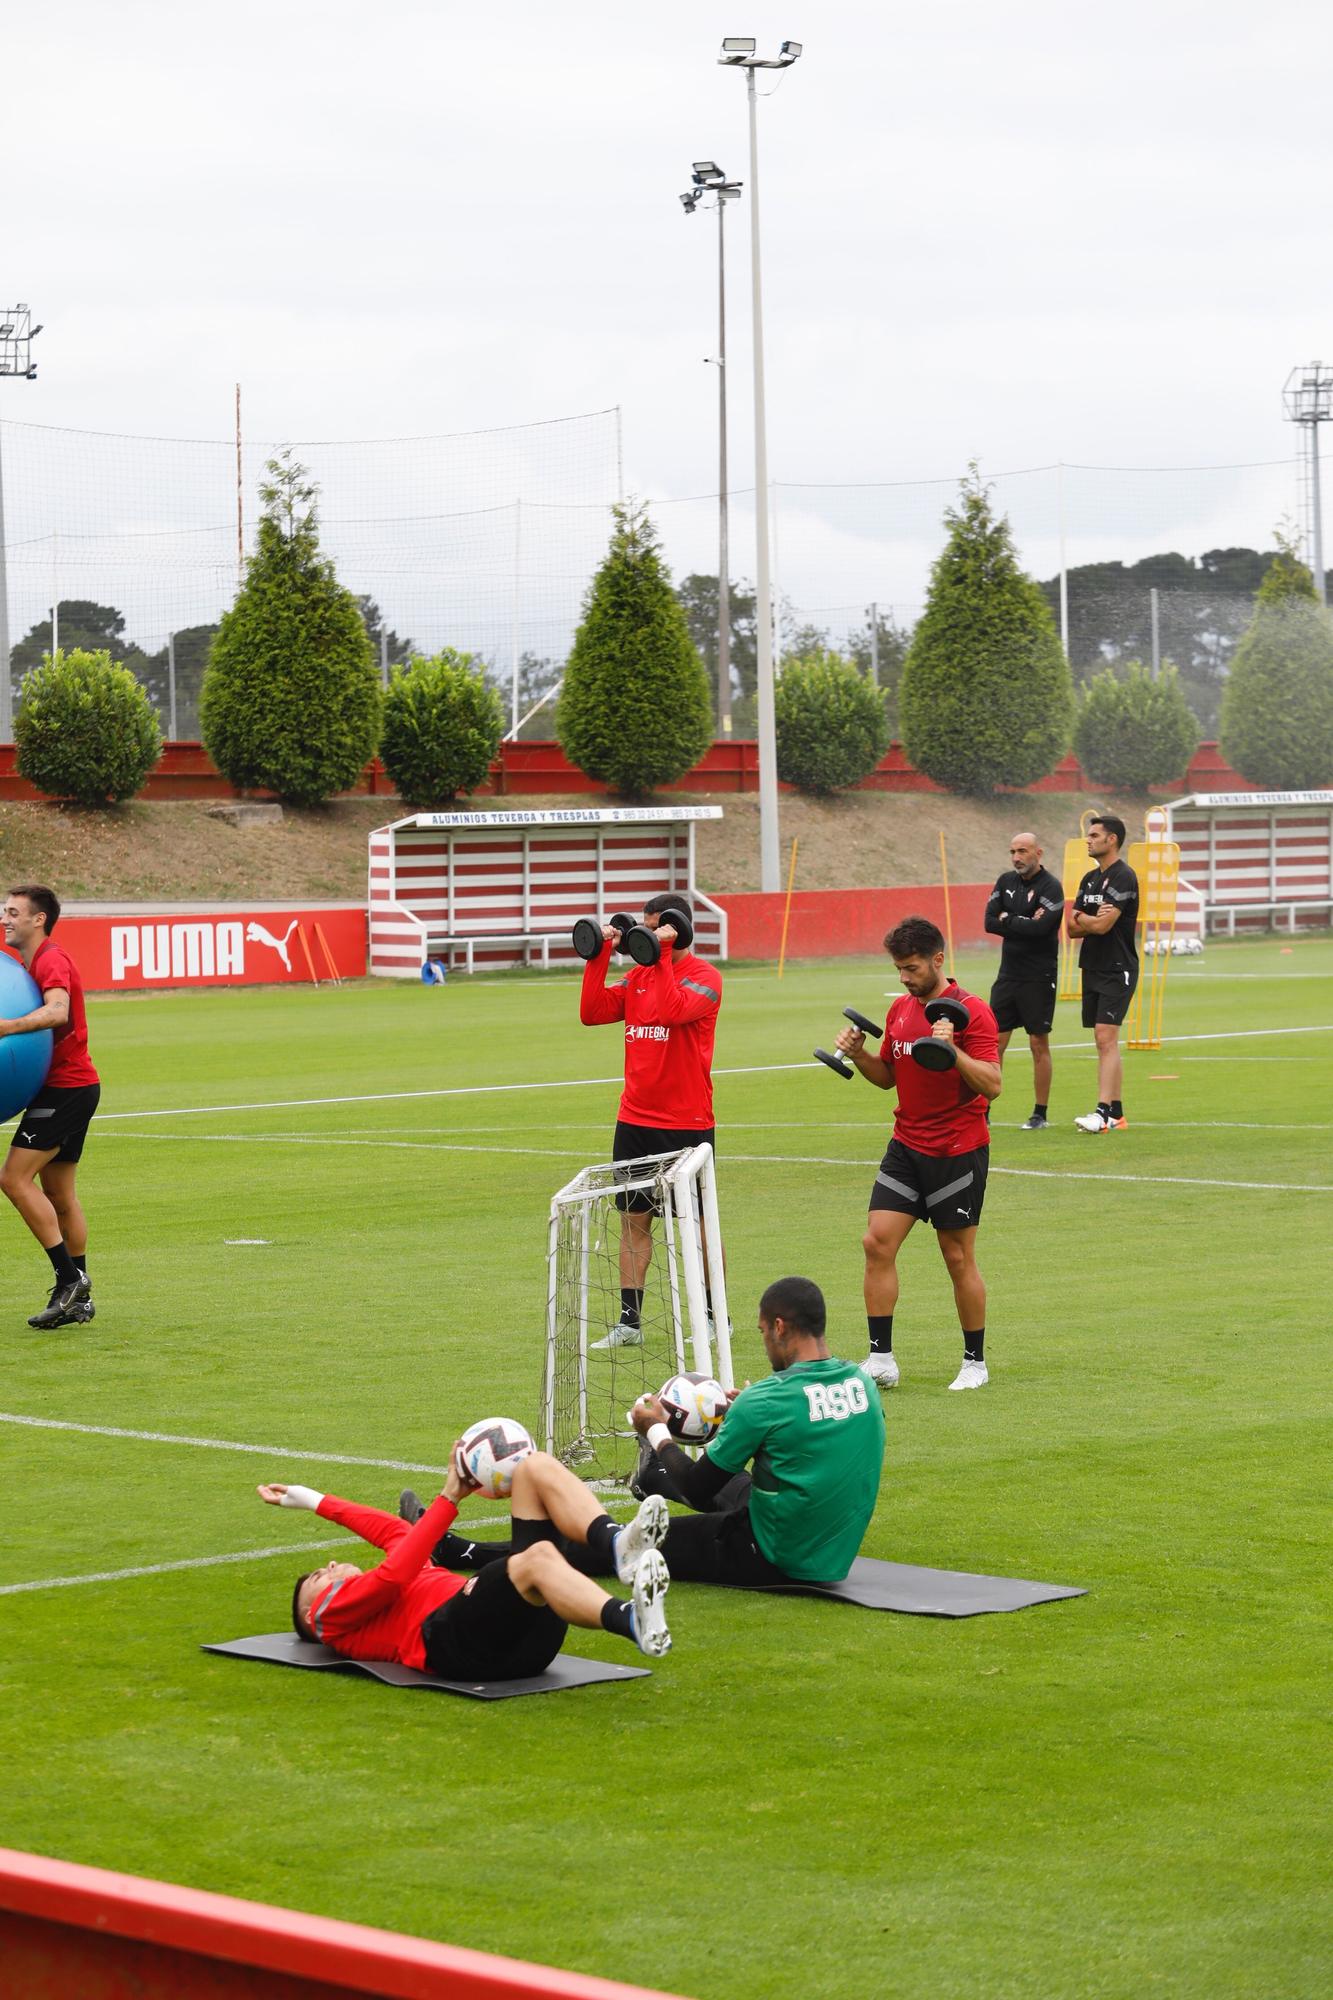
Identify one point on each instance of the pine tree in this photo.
(830, 723)
(986, 697)
(635, 709)
(291, 699)
(1277, 708)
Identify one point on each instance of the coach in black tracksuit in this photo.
(1025, 909)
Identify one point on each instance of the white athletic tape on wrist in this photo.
(302, 1496)
(658, 1435)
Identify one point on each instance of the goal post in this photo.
(587, 1388)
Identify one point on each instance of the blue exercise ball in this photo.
(24, 1059)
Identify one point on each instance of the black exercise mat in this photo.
(929, 1593)
(284, 1649)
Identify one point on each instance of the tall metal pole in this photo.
(6, 687)
(1317, 517)
(874, 644)
(769, 864)
(171, 687)
(723, 556)
(513, 619)
(1064, 572)
(1156, 632)
(240, 501)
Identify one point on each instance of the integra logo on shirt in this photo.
(653, 1034)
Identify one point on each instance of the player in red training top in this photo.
(38, 1174)
(509, 1621)
(935, 1168)
(670, 1015)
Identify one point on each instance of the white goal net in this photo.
(587, 1388)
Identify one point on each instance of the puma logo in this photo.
(256, 934)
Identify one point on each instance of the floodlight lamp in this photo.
(35, 331)
(738, 45)
(32, 372)
(6, 331)
(706, 170)
(687, 202)
(791, 50)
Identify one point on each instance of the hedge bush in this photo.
(85, 729)
(1134, 732)
(636, 708)
(986, 697)
(831, 724)
(442, 727)
(291, 698)
(1277, 706)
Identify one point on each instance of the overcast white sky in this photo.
(1025, 233)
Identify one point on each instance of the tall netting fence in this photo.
(483, 540)
(487, 541)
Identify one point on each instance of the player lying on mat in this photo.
(813, 1432)
(507, 1623)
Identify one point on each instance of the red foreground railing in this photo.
(66, 1930)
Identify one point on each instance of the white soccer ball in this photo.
(695, 1406)
(488, 1452)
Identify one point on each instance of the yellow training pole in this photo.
(948, 913)
(786, 910)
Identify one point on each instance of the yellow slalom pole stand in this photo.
(786, 908)
(1156, 862)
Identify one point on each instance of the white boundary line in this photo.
(734, 1159)
(219, 1444)
(590, 1082)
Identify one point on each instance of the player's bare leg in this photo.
(1042, 1067)
(1110, 1067)
(886, 1232)
(636, 1247)
(546, 1490)
(958, 1247)
(58, 1178)
(541, 1575)
(18, 1181)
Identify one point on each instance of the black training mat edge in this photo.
(284, 1649)
(924, 1593)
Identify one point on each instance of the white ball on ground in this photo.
(490, 1450)
(695, 1406)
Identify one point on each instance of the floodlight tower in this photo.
(1308, 401)
(738, 52)
(17, 334)
(708, 178)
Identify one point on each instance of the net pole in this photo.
(948, 912)
(240, 499)
(717, 1275)
(682, 1181)
(552, 1297)
(786, 909)
(584, 1225)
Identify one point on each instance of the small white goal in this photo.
(587, 1389)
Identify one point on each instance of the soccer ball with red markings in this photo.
(695, 1406)
(489, 1451)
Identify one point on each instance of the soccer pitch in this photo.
(318, 1224)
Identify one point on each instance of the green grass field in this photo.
(1116, 1795)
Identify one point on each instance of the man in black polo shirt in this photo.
(1025, 909)
(1103, 915)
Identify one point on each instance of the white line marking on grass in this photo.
(219, 1444)
(735, 1159)
(590, 1082)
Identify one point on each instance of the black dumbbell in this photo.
(643, 944)
(931, 1051)
(840, 1064)
(588, 934)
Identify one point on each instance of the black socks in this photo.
(881, 1332)
(64, 1266)
(601, 1539)
(618, 1617)
(1039, 1110)
(974, 1345)
(1115, 1109)
(631, 1305)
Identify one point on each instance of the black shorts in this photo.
(640, 1142)
(1028, 1004)
(1106, 996)
(488, 1632)
(946, 1190)
(717, 1548)
(58, 1120)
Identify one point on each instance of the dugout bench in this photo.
(491, 890)
(1256, 857)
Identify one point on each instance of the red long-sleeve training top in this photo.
(378, 1615)
(670, 1015)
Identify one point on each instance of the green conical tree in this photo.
(1277, 706)
(986, 697)
(635, 709)
(291, 699)
(1134, 731)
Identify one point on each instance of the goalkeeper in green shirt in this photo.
(813, 1433)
